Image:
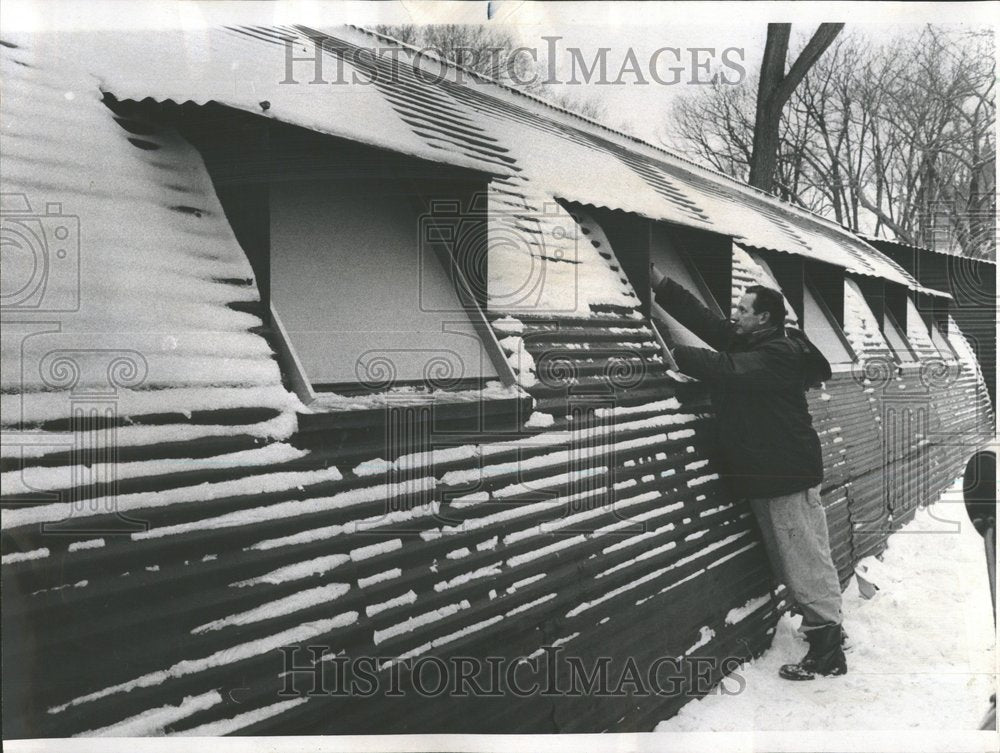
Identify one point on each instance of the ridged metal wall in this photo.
(376, 533)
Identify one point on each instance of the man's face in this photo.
(747, 322)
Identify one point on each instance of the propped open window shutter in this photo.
(666, 255)
(896, 338)
(763, 275)
(824, 331)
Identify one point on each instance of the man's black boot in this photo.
(824, 657)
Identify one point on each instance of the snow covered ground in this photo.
(923, 653)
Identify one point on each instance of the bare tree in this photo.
(934, 176)
(895, 139)
(774, 88)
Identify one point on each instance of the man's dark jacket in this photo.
(758, 385)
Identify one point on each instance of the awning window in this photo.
(823, 330)
(755, 271)
(360, 299)
(667, 258)
(357, 295)
(897, 339)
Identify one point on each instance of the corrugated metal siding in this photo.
(352, 541)
(183, 575)
(154, 384)
(891, 444)
(157, 353)
(972, 286)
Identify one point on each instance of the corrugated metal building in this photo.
(972, 284)
(300, 371)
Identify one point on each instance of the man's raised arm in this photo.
(714, 329)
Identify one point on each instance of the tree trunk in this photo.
(773, 92)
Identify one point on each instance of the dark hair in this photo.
(769, 300)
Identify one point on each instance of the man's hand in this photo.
(655, 276)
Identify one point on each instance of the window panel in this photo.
(669, 261)
(823, 330)
(941, 343)
(757, 272)
(897, 340)
(860, 322)
(917, 332)
(357, 299)
(681, 334)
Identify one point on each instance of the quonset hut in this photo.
(972, 284)
(297, 373)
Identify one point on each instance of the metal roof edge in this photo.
(871, 239)
(788, 206)
(618, 139)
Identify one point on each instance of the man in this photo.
(758, 376)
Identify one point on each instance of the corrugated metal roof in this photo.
(412, 103)
(181, 305)
(246, 68)
(687, 193)
(869, 238)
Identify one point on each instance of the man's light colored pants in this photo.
(795, 535)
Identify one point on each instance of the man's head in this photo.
(759, 308)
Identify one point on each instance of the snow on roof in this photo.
(148, 288)
(441, 112)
